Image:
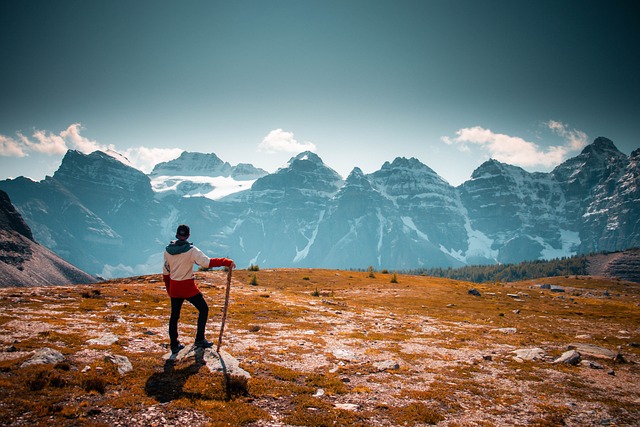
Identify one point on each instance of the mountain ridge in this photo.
(402, 216)
(23, 261)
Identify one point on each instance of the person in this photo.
(177, 273)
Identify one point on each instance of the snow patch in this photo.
(408, 222)
(570, 241)
(300, 255)
(222, 186)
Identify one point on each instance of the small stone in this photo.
(474, 292)
(387, 365)
(347, 406)
(506, 330)
(319, 392)
(591, 364)
(106, 339)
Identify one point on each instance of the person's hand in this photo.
(233, 265)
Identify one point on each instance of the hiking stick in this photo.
(224, 310)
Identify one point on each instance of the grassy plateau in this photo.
(327, 348)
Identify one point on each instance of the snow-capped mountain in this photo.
(200, 174)
(111, 219)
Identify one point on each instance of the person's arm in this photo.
(204, 261)
(221, 262)
(166, 273)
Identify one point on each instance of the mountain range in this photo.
(113, 220)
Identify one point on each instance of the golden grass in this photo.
(292, 317)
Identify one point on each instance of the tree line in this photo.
(565, 266)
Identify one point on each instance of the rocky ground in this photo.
(326, 348)
(624, 265)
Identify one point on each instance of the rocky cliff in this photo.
(23, 262)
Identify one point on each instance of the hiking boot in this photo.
(203, 344)
(176, 348)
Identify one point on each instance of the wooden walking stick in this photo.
(224, 310)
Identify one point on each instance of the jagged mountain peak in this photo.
(407, 163)
(76, 160)
(600, 144)
(304, 171)
(493, 167)
(307, 155)
(357, 178)
(193, 164)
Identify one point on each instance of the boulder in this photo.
(570, 357)
(44, 356)
(216, 362)
(593, 351)
(122, 362)
(531, 354)
(106, 339)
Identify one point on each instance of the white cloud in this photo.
(518, 151)
(279, 140)
(9, 147)
(44, 142)
(49, 143)
(72, 136)
(144, 158)
(576, 139)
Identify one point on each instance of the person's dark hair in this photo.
(183, 232)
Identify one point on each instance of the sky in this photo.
(449, 82)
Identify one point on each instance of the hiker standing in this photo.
(177, 273)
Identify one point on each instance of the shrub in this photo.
(315, 293)
(394, 279)
(371, 270)
(254, 268)
(254, 280)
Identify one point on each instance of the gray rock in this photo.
(474, 292)
(44, 356)
(106, 339)
(570, 357)
(122, 362)
(216, 362)
(529, 353)
(506, 330)
(387, 365)
(593, 351)
(591, 364)
(343, 354)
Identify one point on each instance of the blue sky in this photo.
(451, 83)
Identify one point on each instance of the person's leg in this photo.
(176, 306)
(203, 314)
